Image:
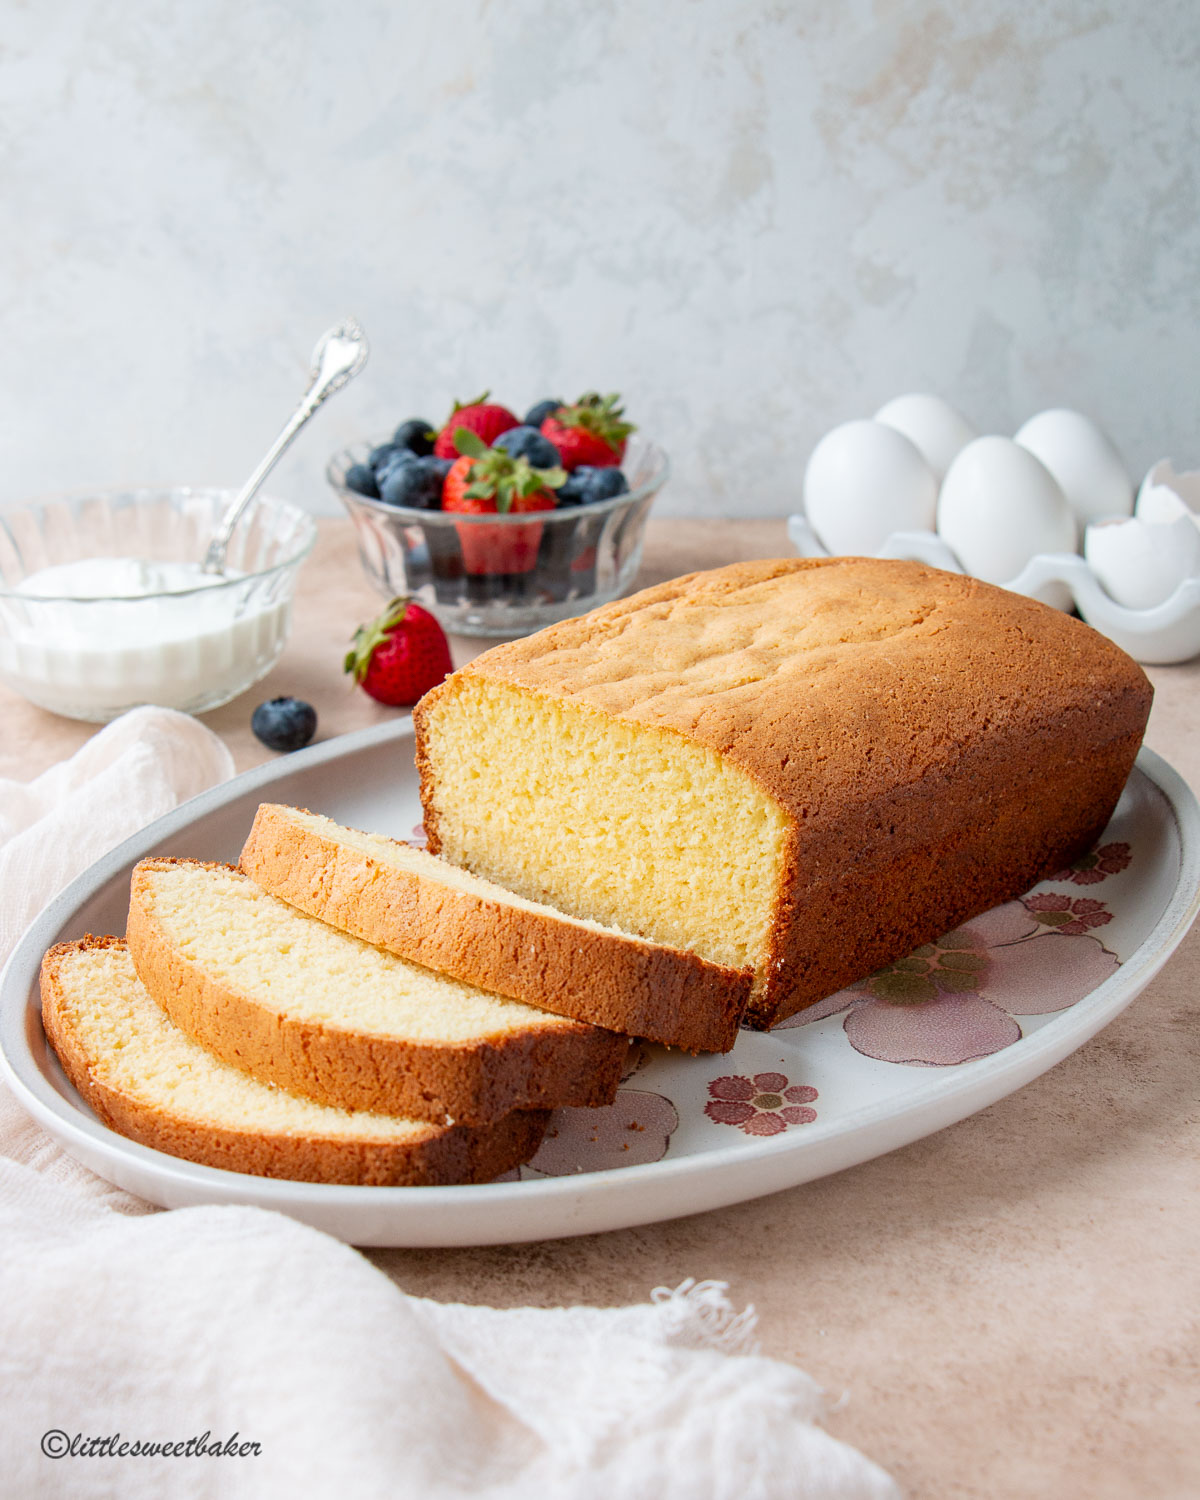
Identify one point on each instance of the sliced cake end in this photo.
(436, 914)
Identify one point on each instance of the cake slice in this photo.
(436, 914)
(305, 1007)
(802, 767)
(149, 1081)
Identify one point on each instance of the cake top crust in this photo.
(817, 676)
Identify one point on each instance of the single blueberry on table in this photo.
(536, 415)
(416, 484)
(416, 435)
(361, 479)
(527, 442)
(284, 723)
(588, 486)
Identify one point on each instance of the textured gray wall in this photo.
(755, 220)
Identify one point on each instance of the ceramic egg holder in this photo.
(1016, 507)
(1170, 632)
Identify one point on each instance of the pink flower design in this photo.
(1108, 859)
(763, 1105)
(636, 1128)
(418, 837)
(955, 1000)
(1073, 918)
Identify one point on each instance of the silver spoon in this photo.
(338, 357)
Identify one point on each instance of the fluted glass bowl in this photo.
(505, 575)
(93, 658)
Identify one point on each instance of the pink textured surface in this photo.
(1011, 1305)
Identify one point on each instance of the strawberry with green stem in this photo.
(400, 655)
(593, 431)
(488, 481)
(483, 417)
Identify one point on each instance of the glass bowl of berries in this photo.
(500, 525)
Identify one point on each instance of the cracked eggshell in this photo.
(863, 482)
(999, 507)
(932, 425)
(1083, 460)
(1165, 495)
(1141, 563)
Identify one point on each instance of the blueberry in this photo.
(536, 415)
(527, 442)
(570, 493)
(379, 457)
(588, 486)
(284, 723)
(607, 483)
(416, 435)
(361, 479)
(416, 483)
(395, 458)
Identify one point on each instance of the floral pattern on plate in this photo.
(635, 1129)
(765, 1104)
(957, 999)
(1107, 859)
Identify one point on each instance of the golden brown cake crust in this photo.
(472, 1083)
(622, 983)
(939, 744)
(441, 1155)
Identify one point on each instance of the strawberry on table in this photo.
(489, 481)
(400, 655)
(481, 416)
(592, 431)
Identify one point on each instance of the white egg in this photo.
(863, 482)
(1142, 563)
(999, 507)
(1085, 463)
(1165, 495)
(937, 430)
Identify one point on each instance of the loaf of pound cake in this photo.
(802, 767)
(149, 1081)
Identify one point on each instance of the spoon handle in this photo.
(339, 356)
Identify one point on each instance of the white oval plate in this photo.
(935, 1038)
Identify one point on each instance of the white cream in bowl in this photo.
(92, 637)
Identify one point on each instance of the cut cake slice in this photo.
(434, 913)
(149, 1081)
(305, 1007)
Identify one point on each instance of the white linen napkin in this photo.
(274, 1361)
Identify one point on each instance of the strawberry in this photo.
(455, 486)
(488, 481)
(481, 417)
(400, 655)
(592, 432)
